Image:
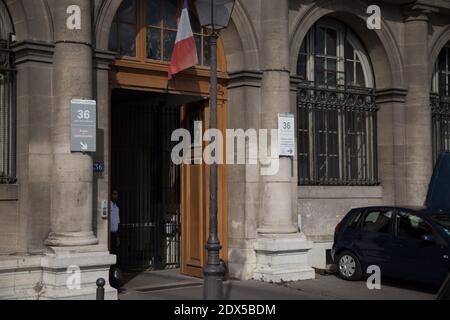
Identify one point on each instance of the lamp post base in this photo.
(213, 285)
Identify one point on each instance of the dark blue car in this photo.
(408, 243)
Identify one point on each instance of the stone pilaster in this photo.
(417, 159)
(72, 174)
(244, 88)
(281, 251)
(391, 143)
(33, 61)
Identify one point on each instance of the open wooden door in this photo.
(194, 187)
(195, 196)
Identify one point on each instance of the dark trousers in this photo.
(114, 248)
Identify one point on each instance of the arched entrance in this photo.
(163, 208)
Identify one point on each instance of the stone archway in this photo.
(380, 44)
(104, 16)
(436, 46)
(5, 22)
(30, 19)
(105, 11)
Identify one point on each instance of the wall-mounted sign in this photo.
(83, 125)
(286, 134)
(99, 167)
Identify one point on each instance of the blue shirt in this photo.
(115, 218)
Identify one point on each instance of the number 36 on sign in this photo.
(286, 134)
(83, 125)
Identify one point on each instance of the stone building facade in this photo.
(371, 106)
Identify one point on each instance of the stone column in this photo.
(418, 148)
(72, 173)
(281, 250)
(277, 217)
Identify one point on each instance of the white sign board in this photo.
(83, 125)
(286, 134)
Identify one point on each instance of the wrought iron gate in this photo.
(147, 180)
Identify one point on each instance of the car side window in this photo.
(378, 221)
(410, 226)
(354, 219)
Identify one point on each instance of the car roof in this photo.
(419, 209)
(415, 208)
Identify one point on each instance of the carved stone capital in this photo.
(33, 51)
(103, 59)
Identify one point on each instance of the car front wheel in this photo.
(348, 266)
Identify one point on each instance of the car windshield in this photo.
(443, 221)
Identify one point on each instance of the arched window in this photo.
(145, 30)
(7, 100)
(336, 109)
(440, 103)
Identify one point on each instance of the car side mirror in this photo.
(429, 238)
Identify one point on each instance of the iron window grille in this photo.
(7, 114)
(337, 135)
(440, 104)
(440, 110)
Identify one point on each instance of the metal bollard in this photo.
(101, 289)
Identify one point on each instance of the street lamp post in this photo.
(214, 15)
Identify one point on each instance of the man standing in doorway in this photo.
(115, 276)
(114, 222)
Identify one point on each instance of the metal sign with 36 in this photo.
(83, 125)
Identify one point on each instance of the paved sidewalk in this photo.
(170, 285)
(234, 290)
(332, 287)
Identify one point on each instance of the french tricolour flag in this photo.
(184, 53)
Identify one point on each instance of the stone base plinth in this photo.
(282, 258)
(62, 276)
